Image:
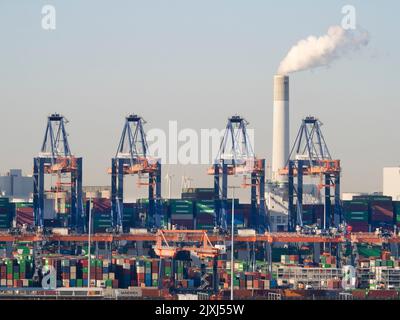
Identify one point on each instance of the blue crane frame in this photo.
(133, 145)
(241, 149)
(55, 147)
(311, 143)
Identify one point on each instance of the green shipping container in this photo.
(24, 205)
(181, 206)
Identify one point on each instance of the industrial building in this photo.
(15, 185)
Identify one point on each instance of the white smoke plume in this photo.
(316, 52)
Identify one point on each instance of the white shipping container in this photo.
(60, 231)
(100, 283)
(137, 231)
(188, 297)
(348, 196)
(246, 232)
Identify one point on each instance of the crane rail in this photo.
(197, 235)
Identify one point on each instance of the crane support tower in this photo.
(236, 157)
(310, 157)
(56, 159)
(132, 158)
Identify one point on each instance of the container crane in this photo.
(132, 158)
(310, 157)
(170, 242)
(236, 157)
(56, 159)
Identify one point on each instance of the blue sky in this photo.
(196, 62)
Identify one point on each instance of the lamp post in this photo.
(169, 177)
(232, 236)
(89, 239)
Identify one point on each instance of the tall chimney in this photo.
(280, 139)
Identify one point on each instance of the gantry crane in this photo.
(236, 157)
(170, 242)
(132, 158)
(56, 159)
(310, 157)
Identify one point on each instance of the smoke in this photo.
(316, 52)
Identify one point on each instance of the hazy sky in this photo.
(196, 62)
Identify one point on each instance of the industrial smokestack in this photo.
(280, 139)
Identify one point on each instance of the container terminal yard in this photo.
(295, 239)
(289, 233)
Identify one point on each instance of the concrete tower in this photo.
(280, 139)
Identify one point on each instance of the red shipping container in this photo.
(115, 284)
(361, 226)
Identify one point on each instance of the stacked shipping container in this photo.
(16, 272)
(182, 213)
(356, 214)
(205, 214)
(24, 213)
(7, 210)
(101, 214)
(382, 214)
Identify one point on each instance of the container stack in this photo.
(356, 213)
(16, 273)
(24, 213)
(327, 261)
(7, 210)
(333, 284)
(101, 215)
(382, 214)
(205, 214)
(129, 215)
(290, 259)
(182, 213)
(246, 280)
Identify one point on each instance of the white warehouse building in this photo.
(391, 182)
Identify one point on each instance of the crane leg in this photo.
(394, 249)
(317, 252)
(215, 275)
